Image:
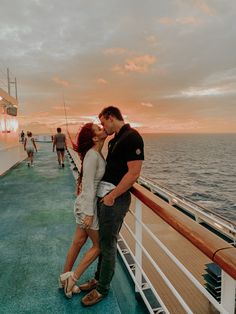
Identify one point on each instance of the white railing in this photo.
(228, 285)
(200, 213)
(228, 291)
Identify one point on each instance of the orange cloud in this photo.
(166, 21)
(138, 64)
(102, 81)
(203, 6)
(146, 104)
(59, 81)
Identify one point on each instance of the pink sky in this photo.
(169, 66)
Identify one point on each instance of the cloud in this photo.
(136, 125)
(93, 118)
(186, 20)
(193, 92)
(152, 40)
(204, 7)
(61, 82)
(222, 76)
(172, 125)
(146, 104)
(203, 92)
(81, 50)
(61, 107)
(115, 51)
(102, 81)
(166, 21)
(50, 122)
(137, 64)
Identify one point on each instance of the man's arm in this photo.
(134, 169)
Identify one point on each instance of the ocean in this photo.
(199, 167)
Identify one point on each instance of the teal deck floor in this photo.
(37, 225)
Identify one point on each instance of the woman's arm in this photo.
(88, 181)
(34, 144)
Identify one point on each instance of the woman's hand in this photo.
(88, 220)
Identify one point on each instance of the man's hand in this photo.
(88, 220)
(108, 200)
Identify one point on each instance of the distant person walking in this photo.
(59, 141)
(22, 136)
(29, 147)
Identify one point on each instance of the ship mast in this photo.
(9, 82)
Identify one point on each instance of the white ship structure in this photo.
(10, 148)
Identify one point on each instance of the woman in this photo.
(29, 146)
(90, 142)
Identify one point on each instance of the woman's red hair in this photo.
(84, 143)
(85, 140)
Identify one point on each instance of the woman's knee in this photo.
(79, 242)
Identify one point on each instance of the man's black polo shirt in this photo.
(126, 146)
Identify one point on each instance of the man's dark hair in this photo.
(111, 111)
(59, 130)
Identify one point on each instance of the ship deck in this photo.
(37, 224)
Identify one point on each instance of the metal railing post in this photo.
(138, 249)
(228, 288)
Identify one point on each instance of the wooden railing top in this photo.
(218, 250)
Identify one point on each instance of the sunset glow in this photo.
(169, 65)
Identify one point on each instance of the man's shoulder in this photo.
(59, 135)
(133, 134)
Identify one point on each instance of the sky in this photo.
(169, 65)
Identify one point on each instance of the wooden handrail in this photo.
(218, 250)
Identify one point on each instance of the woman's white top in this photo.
(93, 171)
(29, 142)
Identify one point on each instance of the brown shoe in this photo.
(92, 298)
(89, 285)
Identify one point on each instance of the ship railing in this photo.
(219, 251)
(200, 214)
(213, 247)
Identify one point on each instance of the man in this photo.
(124, 162)
(22, 135)
(59, 141)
